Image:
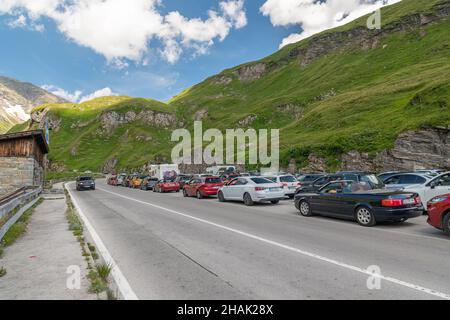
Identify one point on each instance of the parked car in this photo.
(403, 180)
(128, 181)
(85, 183)
(251, 190)
(372, 180)
(121, 180)
(288, 182)
(112, 181)
(439, 213)
(182, 179)
(308, 179)
(149, 183)
(432, 188)
(202, 187)
(386, 175)
(348, 200)
(136, 182)
(430, 172)
(164, 186)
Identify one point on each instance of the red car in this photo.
(202, 187)
(439, 213)
(164, 186)
(112, 181)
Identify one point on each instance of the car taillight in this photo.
(417, 200)
(260, 188)
(392, 203)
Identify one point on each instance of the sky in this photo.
(82, 49)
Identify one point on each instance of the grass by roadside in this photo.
(98, 273)
(16, 231)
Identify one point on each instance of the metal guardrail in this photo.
(20, 200)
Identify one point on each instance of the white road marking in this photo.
(122, 283)
(299, 251)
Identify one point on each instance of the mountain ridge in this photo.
(17, 99)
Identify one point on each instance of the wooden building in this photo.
(22, 160)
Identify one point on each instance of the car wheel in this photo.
(221, 197)
(185, 193)
(275, 202)
(248, 201)
(446, 224)
(305, 208)
(365, 217)
(199, 195)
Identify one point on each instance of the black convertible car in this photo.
(356, 201)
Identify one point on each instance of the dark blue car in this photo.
(357, 201)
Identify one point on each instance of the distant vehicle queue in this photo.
(360, 196)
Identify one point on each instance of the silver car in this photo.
(251, 190)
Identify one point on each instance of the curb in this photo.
(125, 289)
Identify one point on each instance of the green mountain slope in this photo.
(345, 89)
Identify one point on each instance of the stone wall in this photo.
(16, 173)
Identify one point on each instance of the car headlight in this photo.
(439, 199)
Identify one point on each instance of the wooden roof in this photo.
(38, 135)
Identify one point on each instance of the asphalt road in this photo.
(169, 247)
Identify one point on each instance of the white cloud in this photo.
(77, 96)
(105, 92)
(121, 30)
(20, 22)
(69, 96)
(316, 16)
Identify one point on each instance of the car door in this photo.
(437, 187)
(240, 188)
(191, 187)
(230, 189)
(330, 198)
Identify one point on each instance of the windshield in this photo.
(86, 179)
(261, 180)
(213, 180)
(373, 180)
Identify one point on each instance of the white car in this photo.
(251, 190)
(289, 183)
(432, 188)
(404, 180)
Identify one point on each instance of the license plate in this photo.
(292, 188)
(409, 201)
(274, 189)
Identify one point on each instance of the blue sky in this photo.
(67, 58)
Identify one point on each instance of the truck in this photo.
(164, 171)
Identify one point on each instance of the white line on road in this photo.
(119, 278)
(302, 252)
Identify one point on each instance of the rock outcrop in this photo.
(112, 120)
(428, 148)
(251, 72)
(422, 149)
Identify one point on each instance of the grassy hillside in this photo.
(345, 89)
(351, 98)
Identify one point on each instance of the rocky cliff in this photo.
(422, 149)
